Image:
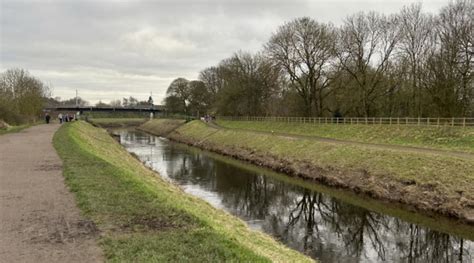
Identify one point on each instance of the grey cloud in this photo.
(108, 49)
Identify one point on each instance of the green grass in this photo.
(161, 126)
(13, 129)
(447, 174)
(146, 219)
(445, 137)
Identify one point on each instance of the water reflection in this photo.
(317, 224)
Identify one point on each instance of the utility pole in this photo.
(76, 99)
(150, 100)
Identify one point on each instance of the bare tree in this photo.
(179, 91)
(21, 96)
(366, 44)
(304, 48)
(116, 103)
(212, 79)
(248, 81)
(414, 45)
(447, 75)
(200, 99)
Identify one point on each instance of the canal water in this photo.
(308, 220)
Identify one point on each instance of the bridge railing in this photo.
(429, 121)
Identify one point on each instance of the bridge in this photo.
(154, 109)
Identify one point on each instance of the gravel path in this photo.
(39, 220)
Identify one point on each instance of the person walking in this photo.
(60, 117)
(47, 118)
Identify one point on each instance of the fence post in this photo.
(464, 122)
(452, 121)
(390, 120)
(406, 120)
(437, 122)
(419, 120)
(428, 121)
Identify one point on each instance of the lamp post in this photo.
(150, 101)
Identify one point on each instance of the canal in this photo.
(320, 224)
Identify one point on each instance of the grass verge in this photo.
(144, 218)
(429, 182)
(445, 137)
(18, 128)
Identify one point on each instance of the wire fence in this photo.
(459, 122)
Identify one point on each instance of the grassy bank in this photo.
(161, 127)
(448, 138)
(117, 122)
(18, 128)
(142, 217)
(428, 182)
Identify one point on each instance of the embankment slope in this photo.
(161, 127)
(429, 137)
(144, 218)
(428, 182)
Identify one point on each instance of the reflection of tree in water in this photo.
(245, 193)
(416, 244)
(253, 198)
(309, 221)
(361, 231)
(352, 227)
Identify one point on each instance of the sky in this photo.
(110, 49)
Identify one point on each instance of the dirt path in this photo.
(464, 155)
(39, 220)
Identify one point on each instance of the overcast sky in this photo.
(113, 49)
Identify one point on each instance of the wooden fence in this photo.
(460, 122)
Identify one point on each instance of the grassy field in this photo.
(448, 138)
(161, 127)
(420, 176)
(146, 219)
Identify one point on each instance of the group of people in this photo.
(66, 117)
(208, 118)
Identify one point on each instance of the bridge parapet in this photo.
(155, 109)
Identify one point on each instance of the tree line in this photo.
(410, 63)
(21, 96)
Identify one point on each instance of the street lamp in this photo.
(150, 101)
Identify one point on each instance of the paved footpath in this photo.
(39, 220)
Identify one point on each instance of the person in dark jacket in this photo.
(47, 118)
